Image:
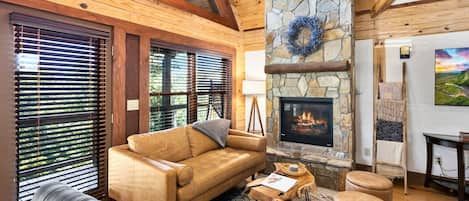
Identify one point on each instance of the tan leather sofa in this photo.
(182, 164)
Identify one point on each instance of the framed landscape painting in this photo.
(452, 76)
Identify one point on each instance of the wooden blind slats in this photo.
(186, 87)
(60, 106)
(60, 28)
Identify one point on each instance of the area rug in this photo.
(237, 194)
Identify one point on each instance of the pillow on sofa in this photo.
(171, 145)
(199, 142)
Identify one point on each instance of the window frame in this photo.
(192, 93)
(66, 25)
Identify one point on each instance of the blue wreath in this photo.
(315, 40)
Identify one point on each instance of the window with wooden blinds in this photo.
(186, 86)
(213, 87)
(61, 122)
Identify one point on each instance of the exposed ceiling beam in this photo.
(226, 16)
(380, 6)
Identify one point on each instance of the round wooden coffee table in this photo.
(262, 193)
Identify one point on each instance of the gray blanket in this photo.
(56, 191)
(217, 129)
(389, 130)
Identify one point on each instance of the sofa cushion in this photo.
(215, 167)
(171, 145)
(199, 142)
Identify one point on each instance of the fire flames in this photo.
(307, 119)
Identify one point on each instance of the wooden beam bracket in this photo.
(380, 6)
(332, 66)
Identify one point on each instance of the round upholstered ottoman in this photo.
(355, 196)
(369, 183)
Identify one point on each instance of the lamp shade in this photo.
(253, 87)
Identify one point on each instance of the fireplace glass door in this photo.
(307, 120)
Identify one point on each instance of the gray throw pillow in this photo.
(217, 129)
(55, 191)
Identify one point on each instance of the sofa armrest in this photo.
(257, 143)
(243, 133)
(133, 177)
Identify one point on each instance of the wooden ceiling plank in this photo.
(251, 13)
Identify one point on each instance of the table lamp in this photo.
(254, 88)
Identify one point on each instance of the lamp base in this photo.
(252, 118)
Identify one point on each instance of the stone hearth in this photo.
(328, 164)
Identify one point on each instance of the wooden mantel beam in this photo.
(380, 6)
(332, 66)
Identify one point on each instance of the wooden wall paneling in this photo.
(414, 19)
(132, 68)
(159, 16)
(211, 38)
(119, 107)
(238, 104)
(363, 5)
(150, 14)
(254, 40)
(144, 85)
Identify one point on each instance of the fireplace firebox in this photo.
(307, 120)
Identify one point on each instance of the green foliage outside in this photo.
(160, 119)
(452, 89)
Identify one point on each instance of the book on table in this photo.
(279, 182)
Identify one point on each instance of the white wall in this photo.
(255, 62)
(423, 115)
(364, 100)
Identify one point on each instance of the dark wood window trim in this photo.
(61, 48)
(120, 29)
(198, 62)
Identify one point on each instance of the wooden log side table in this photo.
(451, 141)
(263, 193)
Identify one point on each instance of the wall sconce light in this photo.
(404, 45)
(405, 51)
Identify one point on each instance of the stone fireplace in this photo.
(306, 120)
(318, 134)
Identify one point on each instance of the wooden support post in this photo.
(144, 85)
(119, 106)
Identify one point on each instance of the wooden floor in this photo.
(417, 193)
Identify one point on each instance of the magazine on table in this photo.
(279, 182)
